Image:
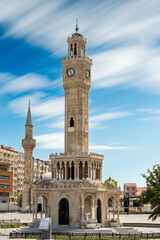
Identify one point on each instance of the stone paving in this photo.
(141, 218)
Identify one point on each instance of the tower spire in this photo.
(29, 116)
(77, 28)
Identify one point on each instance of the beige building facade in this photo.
(75, 196)
(16, 161)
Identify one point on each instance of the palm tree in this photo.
(155, 204)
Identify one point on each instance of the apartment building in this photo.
(131, 192)
(41, 167)
(16, 161)
(5, 182)
(131, 189)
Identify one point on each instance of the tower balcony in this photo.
(76, 57)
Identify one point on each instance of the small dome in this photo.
(47, 176)
(77, 34)
(110, 184)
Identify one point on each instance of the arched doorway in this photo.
(99, 211)
(89, 208)
(63, 212)
(39, 207)
(42, 205)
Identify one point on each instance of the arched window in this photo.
(71, 122)
(75, 49)
(71, 50)
(63, 212)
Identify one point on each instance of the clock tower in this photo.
(76, 83)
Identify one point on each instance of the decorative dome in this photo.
(110, 184)
(76, 34)
(47, 176)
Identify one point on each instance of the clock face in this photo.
(70, 72)
(87, 73)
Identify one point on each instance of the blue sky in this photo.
(124, 43)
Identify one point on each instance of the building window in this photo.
(71, 122)
(127, 188)
(133, 188)
(4, 177)
(4, 185)
(3, 168)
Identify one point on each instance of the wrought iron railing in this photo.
(87, 236)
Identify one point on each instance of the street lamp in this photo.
(127, 200)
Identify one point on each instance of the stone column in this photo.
(113, 202)
(65, 171)
(78, 171)
(82, 206)
(94, 172)
(88, 170)
(93, 214)
(107, 210)
(83, 165)
(98, 172)
(60, 171)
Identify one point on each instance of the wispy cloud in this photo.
(97, 119)
(58, 123)
(42, 106)
(128, 66)
(149, 114)
(25, 83)
(50, 141)
(104, 147)
(157, 118)
(130, 55)
(56, 141)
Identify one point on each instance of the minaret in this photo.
(28, 144)
(76, 83)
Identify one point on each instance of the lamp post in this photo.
(127, 200)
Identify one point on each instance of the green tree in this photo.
(152, 193)
(145, 196)
(19, 200)
(110, 179)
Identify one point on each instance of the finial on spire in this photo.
(29, 117)
(77, 28)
